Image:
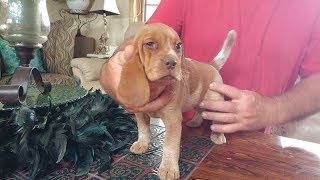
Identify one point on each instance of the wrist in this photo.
(282, 110)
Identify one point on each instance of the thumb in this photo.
(124, 55)
(128, 51)
(227, 90)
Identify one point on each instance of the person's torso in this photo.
(271, 39)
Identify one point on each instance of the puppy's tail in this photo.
(224, 53)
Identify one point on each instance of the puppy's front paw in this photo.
(139, 147)
(168, 170)
(218, 138)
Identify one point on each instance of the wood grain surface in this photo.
(255, 155)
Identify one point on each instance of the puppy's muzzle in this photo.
(170, 63)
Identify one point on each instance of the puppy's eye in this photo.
(151, 44)
(179, 46)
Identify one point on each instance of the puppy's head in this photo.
(160, 51)
(157, 54)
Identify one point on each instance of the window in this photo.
(149, 7)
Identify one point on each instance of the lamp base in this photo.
(103, 48)
(16, 91)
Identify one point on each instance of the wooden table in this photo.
(254, 155)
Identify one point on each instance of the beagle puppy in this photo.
(158, 54)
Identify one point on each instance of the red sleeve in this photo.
(169, 12)
(311, 63)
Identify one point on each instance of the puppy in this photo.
(158, 54)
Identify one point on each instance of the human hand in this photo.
(247, 110)
(110, 79)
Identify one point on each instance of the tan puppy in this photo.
(158, 54)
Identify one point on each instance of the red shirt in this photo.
(277, 40)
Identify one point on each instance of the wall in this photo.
(3, 10)
(53, 7)
(116, 24)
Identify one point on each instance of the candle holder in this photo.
(26, 29)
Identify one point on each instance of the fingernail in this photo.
(204, 115)
(212, 127)
(212, 84)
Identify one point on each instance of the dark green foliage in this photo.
(91, 128)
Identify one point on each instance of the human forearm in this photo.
(300, 101)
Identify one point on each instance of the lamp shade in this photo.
(107, 7)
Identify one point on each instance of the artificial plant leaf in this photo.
(42, 123)
(8, 162)
(60, 142)
(91, 134)
(8, 135)
(89, 128)
(101, 104)
(47, 134)
(25, 115)
(74, 110)
(35, 165)
(82, 119)
(105, 161)
(85, 166)
(44, 99)
(108, 141)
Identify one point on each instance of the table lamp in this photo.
(26, 28)
(106, 8)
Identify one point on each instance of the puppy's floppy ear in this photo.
(133, 90)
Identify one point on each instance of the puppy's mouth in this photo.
(162, 75)
(166, 78)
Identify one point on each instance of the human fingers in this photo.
(226, 128)
(155, 91)
(219, 117)
(122, 57)
(157, 87)
(109, 78)
(111, 70)
(221, 106)
(159, 102)
(226, 90)
(154, 105)
(128, 51)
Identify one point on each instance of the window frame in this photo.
(149, 6)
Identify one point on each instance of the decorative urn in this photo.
(26, 28)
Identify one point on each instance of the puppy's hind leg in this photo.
(217, 138)
(144, 139)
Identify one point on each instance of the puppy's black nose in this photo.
(170, 63)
